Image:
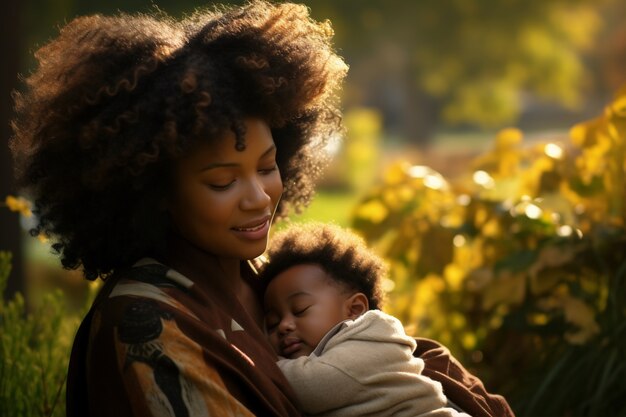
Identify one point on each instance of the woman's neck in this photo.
(212, 273)
(203, 268)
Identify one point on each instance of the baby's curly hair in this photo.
(116, 99)
(341, 253)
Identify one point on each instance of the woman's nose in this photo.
(256, 197)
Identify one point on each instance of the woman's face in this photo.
(223, 200)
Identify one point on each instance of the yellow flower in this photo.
(468, 340)
(373, 211)
(508, 138)
(18, 204)
(454, 275)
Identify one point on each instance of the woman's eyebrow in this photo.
(214, 165)
(269, 150)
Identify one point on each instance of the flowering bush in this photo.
(520, 265)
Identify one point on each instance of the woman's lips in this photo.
(254, 230)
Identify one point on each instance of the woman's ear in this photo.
(356, 305)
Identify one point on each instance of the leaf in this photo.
(517, 262)
(577, 313)
(552, 256)
(507, 288)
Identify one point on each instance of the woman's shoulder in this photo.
(146, 291)
(152, 273)
(149, 279)
(147, 331)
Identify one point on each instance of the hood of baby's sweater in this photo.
(372, 326)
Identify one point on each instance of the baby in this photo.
(341, 354)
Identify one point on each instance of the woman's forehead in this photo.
(223, 149)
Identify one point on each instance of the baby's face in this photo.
(301, 305)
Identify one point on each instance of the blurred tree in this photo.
(462, 61)
(609, 58)
(429, 61)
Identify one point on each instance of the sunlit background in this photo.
(483, 158)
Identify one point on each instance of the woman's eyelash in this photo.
(265, 171)
(218, 187)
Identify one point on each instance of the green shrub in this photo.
(34, 352)
(519, 266)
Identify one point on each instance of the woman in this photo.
(157, 153)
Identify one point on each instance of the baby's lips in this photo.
(289, 340)
(290, 345)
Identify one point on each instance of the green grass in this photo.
(329, 207)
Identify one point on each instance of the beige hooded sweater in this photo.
(365, 367)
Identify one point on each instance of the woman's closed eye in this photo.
(221, 187)
(270, 169)
(225, 185)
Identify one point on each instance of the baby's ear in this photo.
(356, 305)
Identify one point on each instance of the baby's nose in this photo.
(286, 325)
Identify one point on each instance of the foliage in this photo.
(518, 266)
(34, 352)
(361, 149)
(474, 59)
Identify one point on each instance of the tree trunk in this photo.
(10, 232)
